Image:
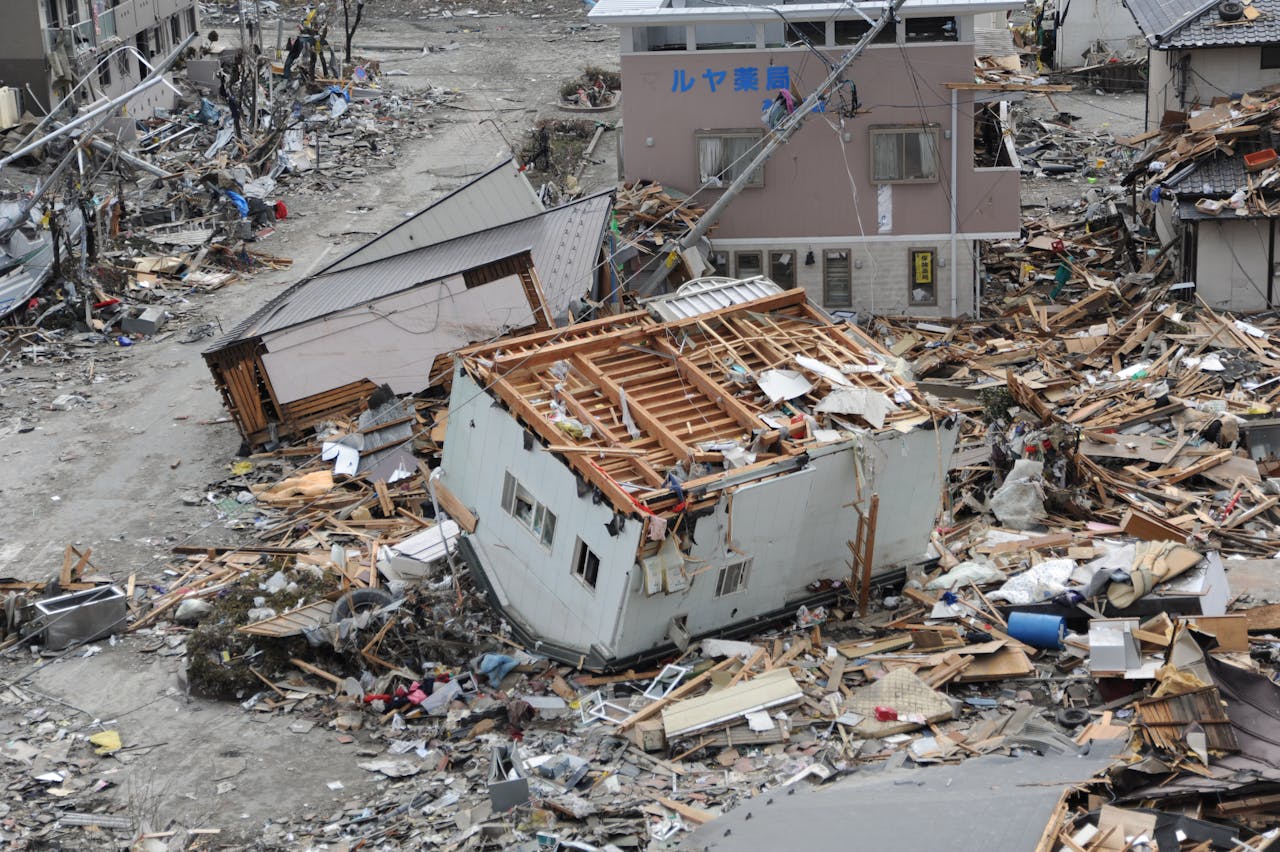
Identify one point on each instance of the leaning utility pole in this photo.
(778, 137)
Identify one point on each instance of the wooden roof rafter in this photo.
(643, 418)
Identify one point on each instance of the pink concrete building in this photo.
(878, 201)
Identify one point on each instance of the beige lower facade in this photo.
(908, 275)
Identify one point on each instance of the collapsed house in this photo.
(730, 432)
(397, 306)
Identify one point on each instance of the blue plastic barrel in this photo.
(1036, 629)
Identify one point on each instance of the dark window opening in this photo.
(837, 289)
(1271, 56)
(782, 268)
(931, 29)
(748, 264)
(812, 32)
(849, 32)
(586, 565)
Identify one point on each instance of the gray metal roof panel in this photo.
(564, 243)
(709, 294)
(1155, 17)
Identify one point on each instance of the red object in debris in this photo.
(105, 304)
(282, 212)
(886, 714)
(1059, 246)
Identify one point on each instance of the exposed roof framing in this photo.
(661, 394)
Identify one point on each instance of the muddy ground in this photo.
(119, 472)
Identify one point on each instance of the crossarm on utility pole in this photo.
(777, 138)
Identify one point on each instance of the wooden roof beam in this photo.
(641, 466)
(639, 414)
(712, 389)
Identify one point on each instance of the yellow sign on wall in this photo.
(921, 266)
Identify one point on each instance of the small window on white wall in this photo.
(733, 578)
(586, 565)
(521, 505)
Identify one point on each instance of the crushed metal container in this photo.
(81, 616)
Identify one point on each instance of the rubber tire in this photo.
(357, 601)
(1073, 717)
(1230, 10)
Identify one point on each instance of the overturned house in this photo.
(693, 467)
(387, 313)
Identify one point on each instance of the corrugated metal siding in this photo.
(709, 294)
(564, 243)
(498, 197)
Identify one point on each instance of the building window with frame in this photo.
(191, 19)
(748, 264)
(723, 155)
(1270, 56)
(904, 154)
(851, 32)
(719, 263)
(782, 268)
(931, 29)
(586, 565)
(521, 505)
(924, 287)
(732, 578)
(175, 28)
(837, 281)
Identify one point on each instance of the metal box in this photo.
(81, 616)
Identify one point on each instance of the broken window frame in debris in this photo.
(735, 574)
(915, 270)
(586, 564)
(538, 519)
(883, 171)
(728, 163)
(832, 294)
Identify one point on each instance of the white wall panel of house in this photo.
(393, 340)
(482, 442)
(1231, 263)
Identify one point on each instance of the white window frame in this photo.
(929, 137)
(732, 578)
(537, 518)
(582, 554)
(727, 177)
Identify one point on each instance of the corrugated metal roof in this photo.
(993, 41)
(1209, 30)
(498, 196)
(564, 242)
(709, 294)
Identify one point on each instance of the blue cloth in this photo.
(240, 202)
(496, 667)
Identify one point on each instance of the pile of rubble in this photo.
(1077, 602)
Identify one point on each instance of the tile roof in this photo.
(564, 242)
(1212, 176)
(1196, 23)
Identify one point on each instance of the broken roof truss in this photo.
(626, 399)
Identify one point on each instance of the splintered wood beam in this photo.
(544, 427)
(695, 375)
(639, 413)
